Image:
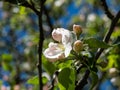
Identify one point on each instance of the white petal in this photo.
(53, 53)
(66, 37)
(68, 48)
(57, 34)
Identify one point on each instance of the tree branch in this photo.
(40, 43)
(53, 79)
(83, 81)
(31, 6)
(108, 34)
(107, 11)
(106, 39)
(48, 18)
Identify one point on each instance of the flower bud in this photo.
(113, 72)
(78, 46)
(77, 29)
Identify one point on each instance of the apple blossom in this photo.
(62, 35)
(56, 51)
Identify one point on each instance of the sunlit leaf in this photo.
(34, 80)
(22, 10)
(111, 61)
(66, 79)
(44, 80)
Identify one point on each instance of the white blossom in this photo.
(56, 51)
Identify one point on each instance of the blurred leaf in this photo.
(34, 80)
(7, 57)
(44, 80)
(111, 61)
(116, 33)
(95, 43)
(22, 10)
(48, 66)
(66, 79)
(94, 77)
(0, 82)
(6, 66)
(90, 1)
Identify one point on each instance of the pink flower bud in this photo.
(78, 46)
(77, 29)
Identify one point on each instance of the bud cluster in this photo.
(78, 44)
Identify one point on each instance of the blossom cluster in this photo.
(66, 41)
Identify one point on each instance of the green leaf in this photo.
(22, 10)
(111, 61)
(34, 80)
(64, 64)
(66, 79)
(48, 66)
(95, 43)
(94, 77)
(7, 66)
(7, 57)
(44, 80)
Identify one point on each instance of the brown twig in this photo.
(106, 9)
(53, 79)
(106, 39)
(31, 6)
(40, 45)
(108, 34)
(83, 81)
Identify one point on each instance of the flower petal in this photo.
(57, 34)
(68, 48)
(54, 52)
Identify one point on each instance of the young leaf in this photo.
(34, 80)
(66, 79)
(95, 43)
(94, 79)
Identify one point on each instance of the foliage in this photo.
(78, 59)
